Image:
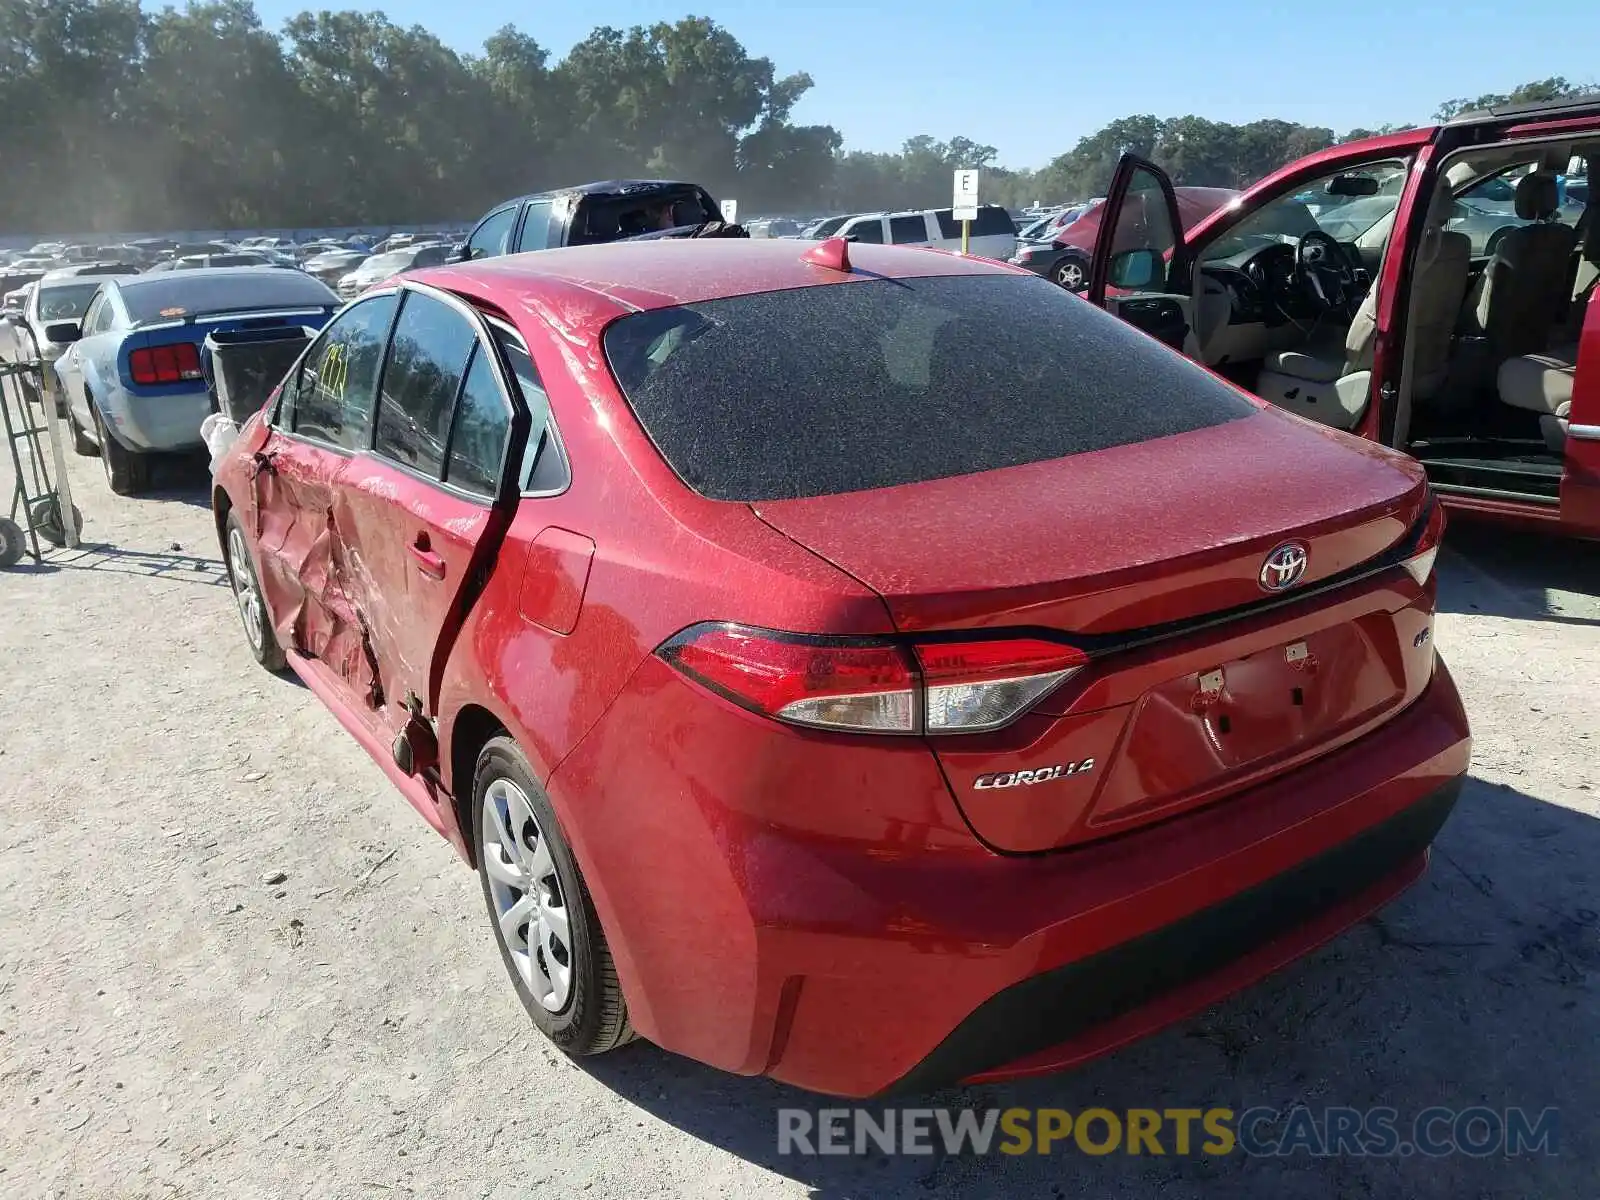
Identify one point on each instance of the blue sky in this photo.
(1032, 77)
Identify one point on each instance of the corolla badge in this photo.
(1285, 567)
(1006, 779)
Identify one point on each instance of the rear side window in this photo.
(908, 231)
(993, 221)
(535, 233)
(427, 359)
(843, 387)
(482, 424)
(544, 465)
(332, 399)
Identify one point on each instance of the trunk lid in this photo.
(1118, 539)
(1100, 546)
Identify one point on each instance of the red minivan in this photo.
(865, 666)
(1387, 287)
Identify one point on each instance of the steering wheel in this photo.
(1325, 273)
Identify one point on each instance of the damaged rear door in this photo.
(424, 507)
(314, 585)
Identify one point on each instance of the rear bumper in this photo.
(153, 424)
(855, 968)
(1074, 1012)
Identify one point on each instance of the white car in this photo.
(62, 295)
(993, 234)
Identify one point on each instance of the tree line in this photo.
(113, 119)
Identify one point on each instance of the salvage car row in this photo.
(877, 668)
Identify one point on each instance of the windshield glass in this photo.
(1334, 204)
(393, 260)
(1347, 222)
(66, 302)
(829, 227)
(820, 390)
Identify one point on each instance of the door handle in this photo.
(429, 562)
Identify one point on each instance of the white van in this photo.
(994, 235)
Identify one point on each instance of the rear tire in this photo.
(82, 443)
(250, 600)
(127, 473)
(576, 1003)
(1070, 273)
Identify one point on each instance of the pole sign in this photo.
(965, 204)
(730, 211)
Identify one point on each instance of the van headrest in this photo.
(1537, 197)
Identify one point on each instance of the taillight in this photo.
(972, 686)
(172, 363)
(1419, 564)
(870, 685)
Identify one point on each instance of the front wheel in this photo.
(539, 907)
(250, 601)
(1070, 274)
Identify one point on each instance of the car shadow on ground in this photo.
(184, 478)
(1525, 576)
(147, 564)
(1473, 988)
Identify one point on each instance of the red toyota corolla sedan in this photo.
(863, 666)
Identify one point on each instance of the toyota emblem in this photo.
(1285, 567)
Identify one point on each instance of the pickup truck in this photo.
(608, 211)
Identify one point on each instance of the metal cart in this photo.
(41, 495)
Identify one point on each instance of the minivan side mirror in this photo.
(63, 332)
(1134, 268)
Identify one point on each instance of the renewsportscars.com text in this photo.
(1259, 1131)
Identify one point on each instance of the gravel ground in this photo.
(233, 962)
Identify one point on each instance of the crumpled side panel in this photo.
(372, 521)
(312, 579)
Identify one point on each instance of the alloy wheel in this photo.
(246, 591)
(528, 898)
(1070, 275)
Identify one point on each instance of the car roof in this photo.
(1574, 105)
(77, 275)
(603, 281)
(611, 187)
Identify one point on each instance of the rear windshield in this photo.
(844, 387)
(192, 293)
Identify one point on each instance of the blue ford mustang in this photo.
(132, 375)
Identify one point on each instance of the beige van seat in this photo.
(1542, 383)
(1523, 291)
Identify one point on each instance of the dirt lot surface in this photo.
(175, 1023)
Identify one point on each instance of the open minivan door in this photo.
(1138, 263)
(1580, 475)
